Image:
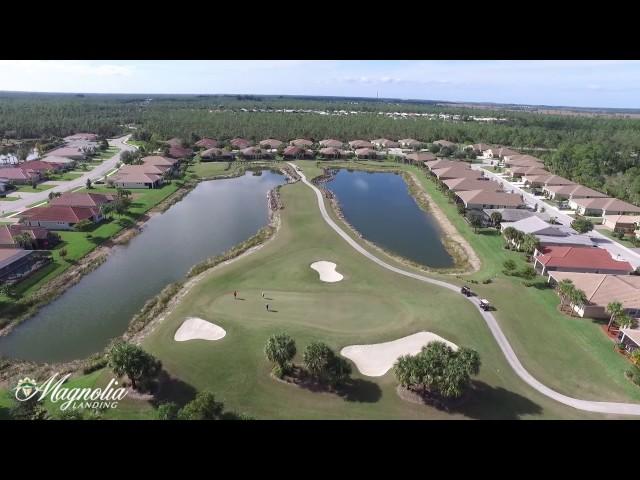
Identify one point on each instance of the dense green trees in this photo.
(280, 349)
(323, 364)
(438, 370)
(130, 360)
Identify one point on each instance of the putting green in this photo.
(371, 305)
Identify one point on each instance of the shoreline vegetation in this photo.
(161, 305)
(465, 259)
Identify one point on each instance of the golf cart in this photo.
(466, 291)
(485, 305)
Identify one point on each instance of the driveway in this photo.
(28, 198)
(492, 323)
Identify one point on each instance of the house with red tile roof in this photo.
(440, 163)
(578, 259)
(206, 143)
(41, 238)
(460, 170)
(296, 152)
(59, 217)
(18, 176)
(519, 172)
(70, 152)
(545, 180)
(366, 153)
(177, 151)
(216, 154)
(445, 143)
(254, 153)
(240, 143)
(330, 152)
(522, 161)
(41, 167)
(270, 143)
(78, 199)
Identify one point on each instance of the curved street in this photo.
(494, 327)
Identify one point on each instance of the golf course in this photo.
(369, 305)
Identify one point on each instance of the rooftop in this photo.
(581, 257)
(601, 289)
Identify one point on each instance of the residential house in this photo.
(545, 180)
(512, 214)
(630, 338)
(18, 176)
(499, 152)
(59, 217)
(330, 152)
(330, 143)
(519, 172)
(441, 163)
(602, 206)
(522, 161)
(17, 264)
(216, 154)
(482, 199)
(206, 143)
(296, 152)
(456, 171)
(254, 153)
(446, 143)
(64, 163)
(240, 143)
(602, 289)
(41, 167)
(134, 176)
(41, 238)
(77, 199)
(270, 143)
(461, 184)
(359, 144)
(366, 153)
(569, 192)
(302, 143)
(548, 234)
(479, 148)
(385, 143)
(419, 158)
(621, 223)
(178, 151)
(578, 259)
(168, 165)
(410, 143)
(73, 153)
(89, 137)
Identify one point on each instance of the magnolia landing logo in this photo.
(71, 398)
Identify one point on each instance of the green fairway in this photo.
(570, 355)
(370, 305)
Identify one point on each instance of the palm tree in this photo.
(615, 310)
(530, 243)
(496, 219)
(476, 222)
(577, 297)
(625, 321)
(564, 289)
(509, 234)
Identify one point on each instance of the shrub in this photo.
(486, 281)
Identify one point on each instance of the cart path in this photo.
(496, 331)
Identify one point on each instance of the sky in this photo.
(578, 83)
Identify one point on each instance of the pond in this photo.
(212, 218)
(381, 208)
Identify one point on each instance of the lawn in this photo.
(66, 176)
(571, 355)
(208, 169)
(370, 305)
(105, 154)
(609, 234)
(9, 199)
(41, 187)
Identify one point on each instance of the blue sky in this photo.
(588, 83)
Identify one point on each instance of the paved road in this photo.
(505, 346)
(615, 249)
(80, 182)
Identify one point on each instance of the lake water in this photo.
(381, 208)
(212, 218)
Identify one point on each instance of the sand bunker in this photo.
(327, 271)
(194, 328)
(376, 360)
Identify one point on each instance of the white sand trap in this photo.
(376, 360)
(194, 328)
(327, 271)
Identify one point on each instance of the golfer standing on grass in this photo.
(267, 305)
(235, 295)
(262, 294)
